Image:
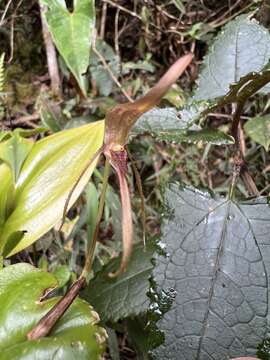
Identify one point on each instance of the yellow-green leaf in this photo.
(14, 152)
(46, 179)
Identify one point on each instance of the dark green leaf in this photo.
(263, 352)
(242, 47)
(125, 295)
(168, 124)
(72, 34)
(113, 344)
(258, 129)
(167, 120)
(139, 335)
(210, 136)
(49, 116)
(213, 283)
(75, 336)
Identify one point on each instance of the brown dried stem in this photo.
(239, 161)
(51, 55)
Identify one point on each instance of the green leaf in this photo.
(6, 192)
(48, 115)
(75, 335)
(258, 129)
(99, 74)
(72, 34)
(264, 350)
(14, 152)
(212, 284)
(50, 171)
(62, 274)
(12, 242)
(4, 135)
(242, 47)
(170, 125)
(167, 120)
(179, 4)
(125, 295)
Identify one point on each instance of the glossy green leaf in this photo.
(14, 152)
(72, 33)
(7, 190)
(212, 282)
(75, 336)
(125, 295)
(46, 179)
(242, 47)
(258, 129)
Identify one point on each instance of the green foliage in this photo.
(168, 124)
(14, 151)
(72, 33)
(47, 176)
(76, 335)
(263, 351)
(125, 295)
(241, 48)
(258, 129)
(100, 75)
(212, 284)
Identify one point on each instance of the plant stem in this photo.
(45, 325)
(91, 250)
(240, 167)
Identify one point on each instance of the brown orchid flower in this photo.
(118, 123)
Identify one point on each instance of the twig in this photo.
(27, 119)
(239, 156)
(11, 39)
(107, 67)
(116, 33)
(103, 20)
(5, 12)
(12, 31)
(46, 324)
(132, 13)
(51, 54)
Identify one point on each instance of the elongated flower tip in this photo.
(118, 161)
(122, 117)
(154, 95)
